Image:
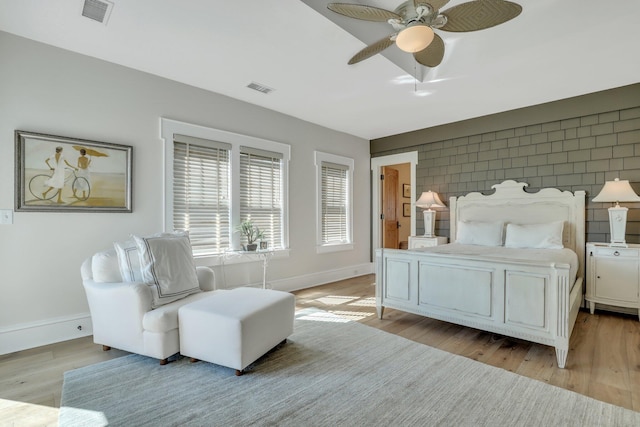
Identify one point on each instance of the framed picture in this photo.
(406, 190)
(406, 209)
(55, 173)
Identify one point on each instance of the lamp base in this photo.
(618, 226)
(618, 245)
(429, 223)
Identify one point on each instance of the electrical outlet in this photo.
(6, 216)
(82, 327)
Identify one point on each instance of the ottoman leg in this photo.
(239, 372)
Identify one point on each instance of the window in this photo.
(216, 179)
(261, 191)
(201, 192)
(334, 196)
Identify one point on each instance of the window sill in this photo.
(334, 248)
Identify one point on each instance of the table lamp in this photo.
(614, 192)
(429, 199)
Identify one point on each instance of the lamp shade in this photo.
(617, 191)
(429, 199)
(414, 38)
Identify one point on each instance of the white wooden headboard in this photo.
(511, 204)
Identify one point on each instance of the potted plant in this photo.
(253, 233)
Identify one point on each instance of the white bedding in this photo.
(558, 256)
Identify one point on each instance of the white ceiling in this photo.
(553, 50)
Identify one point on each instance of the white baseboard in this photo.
(30, 335)
(321, 278)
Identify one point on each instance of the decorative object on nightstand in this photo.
(613, 276)
(614, 192)
(427, 200)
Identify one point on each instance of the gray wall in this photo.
(49, 90)
(573, 144)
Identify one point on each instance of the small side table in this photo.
(613, 276)
(416, 242)
(263, 255)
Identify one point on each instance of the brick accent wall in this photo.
(578, 153)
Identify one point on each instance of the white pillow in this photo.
(166, 264)
(538, 236)
(105, 267)
(479, 233)
(128, 260)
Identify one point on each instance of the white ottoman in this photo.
(234, 328)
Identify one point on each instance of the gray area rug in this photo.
(330, 373)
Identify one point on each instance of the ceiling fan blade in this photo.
(479, 14)
(371, 50)
(432, 55)
(366, 13)
(435, 4)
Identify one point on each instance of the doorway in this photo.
(396, 206)
(390, 201)
(405, 165)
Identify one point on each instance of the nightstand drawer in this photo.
(416, 242)
(617, 252)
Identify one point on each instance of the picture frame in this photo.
(62, 174)
(406, 209)
(406, 191)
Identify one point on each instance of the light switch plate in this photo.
(6, 216)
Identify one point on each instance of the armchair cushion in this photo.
(165, 318)
(167, 266)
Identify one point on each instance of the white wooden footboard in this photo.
(532, 300)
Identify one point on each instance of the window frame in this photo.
(320, 158)
(170, 127)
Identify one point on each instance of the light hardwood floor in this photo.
(603, 361)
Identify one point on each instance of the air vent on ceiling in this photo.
(98, 10)
(259, 87)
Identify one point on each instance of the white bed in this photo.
(532, 294)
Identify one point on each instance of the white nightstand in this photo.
(613, 276)
(416, 242)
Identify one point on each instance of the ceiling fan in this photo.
(414, 20)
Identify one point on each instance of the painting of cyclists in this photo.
(55, 173)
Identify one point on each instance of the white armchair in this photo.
(122, 313)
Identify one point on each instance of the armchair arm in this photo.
(206, 278)
(117, 310)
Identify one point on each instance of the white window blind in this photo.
(201, 193)
(261, 192)
(334, 203)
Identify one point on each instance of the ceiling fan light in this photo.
(414, 38)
